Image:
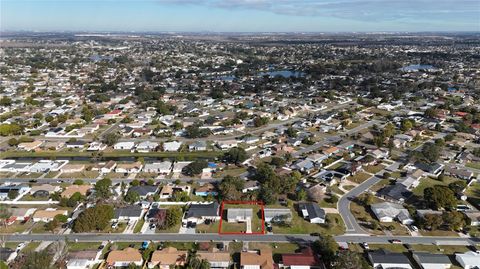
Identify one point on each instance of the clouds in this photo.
(360, 10)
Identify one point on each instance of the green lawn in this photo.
(241, 227)
(78, 246)
(110, 154)
(139, 225)
(475, 165)
(430, 182)
(374, 168)
(473, 194)
(359, 177)
(333, 226)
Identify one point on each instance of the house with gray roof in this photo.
(387, 212)
(427, 260)
(144, 190)
(239, 214)
(312, 212)
(199, 213)
(382, 259)
(129, 213)
(277, 214)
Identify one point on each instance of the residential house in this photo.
(251, 185)
(387, 212)
(82, 259)
(71, 189)
(227, 144)
(305, 259)
(304, 166)
(47, 215)
(384, 259)
(19, 214)
(277, 215)
(122, 258)
(164, 167)
(206, 190)
(144, 190)
(129, 168)
(198, 146)
(474, 217)
(239, 214)
(261, 259)
(432, 261)
(462, 173)
(178, 166)
(105, 168)
(44, 188)
(317, 192)
(147, 146)
(96, 146)
(172, 146)
(468, 260)
(167, 258)
(168, 190)
(312, 212)
(72, 168)
(217, 259)
(199, 213)
(29, 146)
(433, 169)
(156, 216)
(21, 189)
(129, 214)
(124, 145)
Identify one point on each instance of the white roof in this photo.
(469, 258)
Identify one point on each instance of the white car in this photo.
(414, 228)
(21, 246)
(365, 245)
(115, 225)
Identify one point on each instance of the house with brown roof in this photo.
(305, 259)
(47, 214)
(122, 258)
(28, 146)
(73, 168)
(70, 190)
(217, 259)
(134, 167)
(261, 259)
(168, 257)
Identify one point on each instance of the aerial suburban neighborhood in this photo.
(240, 151)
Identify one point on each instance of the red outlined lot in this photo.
(257, 203)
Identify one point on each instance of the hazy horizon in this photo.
(240, 16)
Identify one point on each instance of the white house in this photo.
(387, 212)
(164, 167)
(172, 146)
(124, 145)
(468, 260)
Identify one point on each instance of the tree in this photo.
(264, 173)
(5, 214)
(78, 182)
(33, 260)
(267, 195)
(180, 196)
(277, 162)
(102, 188)
(174, 215)
(327, 247)
(51, 225)
(132, 197)
(454, 220)
(195, 168)
(235, 155)
(135, 183)
(388, 130)
(231, 188)
(93, 218)
(440, 196)
(348, 259)
(111, 138)
(12, 194)
(260, 121)
(432, 221)
(431, 152)
(457, 186)
(291, 132)
(431, 113)
(407, 125)
(7, 129)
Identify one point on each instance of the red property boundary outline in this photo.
(259, 203)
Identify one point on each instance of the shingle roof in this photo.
(202, 210)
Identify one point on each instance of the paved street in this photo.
(344, 205)
(248, 238)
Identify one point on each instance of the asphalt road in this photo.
(245, 238)
(344, 205)
(114, 180)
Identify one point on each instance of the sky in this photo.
(240, 15)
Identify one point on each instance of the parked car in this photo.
(365, 245)
(395, 241)
(414, 228)
(115, 225)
